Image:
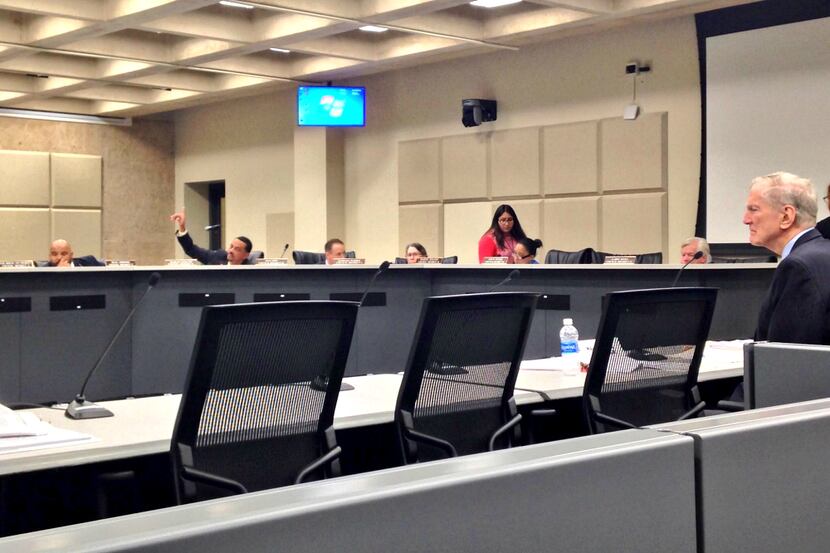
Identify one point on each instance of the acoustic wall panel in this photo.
(24, 178)
(633, 223)
(424, 224)
(570, 158)
(515, 163)
(464, 167)
(463, 226)
(279, 231)
(419, 176)
(24, 234)
(570, 224)
(529, 213)
(634, 153)
(76, 180)
(82, 228)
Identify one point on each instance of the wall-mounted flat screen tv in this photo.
(331, 106)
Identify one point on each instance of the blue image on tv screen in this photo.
(331, 106)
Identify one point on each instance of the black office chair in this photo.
(753, 259)
(313, 258)
(249, 418)
(642, 258)
(562, 257)
(646, 358)
(254, 256)
(457, 392)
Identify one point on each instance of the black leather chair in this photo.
(646, 358)
(450, 260)
(313, 258)
(457, 392)
(254, 256)
(753, 259)
(250, 418)
(562, 257)
(643, 258)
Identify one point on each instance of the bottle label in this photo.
(570, 346)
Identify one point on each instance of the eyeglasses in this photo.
(505, 221)
(516, 254)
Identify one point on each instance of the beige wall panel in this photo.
(464, 167)
(424, 224)
(76, 180)
(515, 163)
(419, 171)
(82, 229)
(280, 231)
(463, 226)
(24, 178)
(633, 223)
(634, 153)
(570, 224)
(529, 213)
(570, 158)
(24, 234)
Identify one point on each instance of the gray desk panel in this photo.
(775, 374)
(155, 355)
(631, 491)
(10, 357)
(762, 479)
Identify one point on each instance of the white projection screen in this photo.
(768, 109)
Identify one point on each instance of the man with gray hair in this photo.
(690, 247)
(781, 215)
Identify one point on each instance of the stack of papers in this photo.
(24, 431)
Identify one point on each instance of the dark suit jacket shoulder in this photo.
(87, 261)
(204, 256)
(797, 306)
(823, 227)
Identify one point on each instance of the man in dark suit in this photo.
(236, 254)
(823, 226)
(781, 215)
(61, 255)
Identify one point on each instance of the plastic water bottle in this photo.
(569, 347)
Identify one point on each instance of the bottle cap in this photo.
(568, 322)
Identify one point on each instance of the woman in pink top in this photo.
(501, 237)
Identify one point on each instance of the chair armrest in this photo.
(619, 423)
(333, 454)
(543, 412)
(202, 477)
(504, 428)
(731, 406)
(693, 412)
(443, 445)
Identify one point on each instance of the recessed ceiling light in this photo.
(280, 50)
(373, 29)
(493, 3)
(236, 4)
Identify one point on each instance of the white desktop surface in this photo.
(144, 426)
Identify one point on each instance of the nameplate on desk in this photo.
(620, 259)
(272, 261)
(373, 299)
(15, 305)
(201, 299)
(120, 262)
(349, 261)
(554, 302)
(281, 296)
(181, 262)
(495, 261)
(77, 303)
(18, 263)
(431, 260)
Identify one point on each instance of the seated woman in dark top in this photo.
(525, 251)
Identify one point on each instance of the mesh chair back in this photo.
(249, 412)
(462, 368)
(563, 257)
(647, 354)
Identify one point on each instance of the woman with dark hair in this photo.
(414, 252)
(500, 239)
(525, 251)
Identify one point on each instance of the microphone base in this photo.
(80, 408)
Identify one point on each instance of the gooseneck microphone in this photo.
(381, 269)
(80, 408)
(285, 249)
(698, 254)
(513, 274)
